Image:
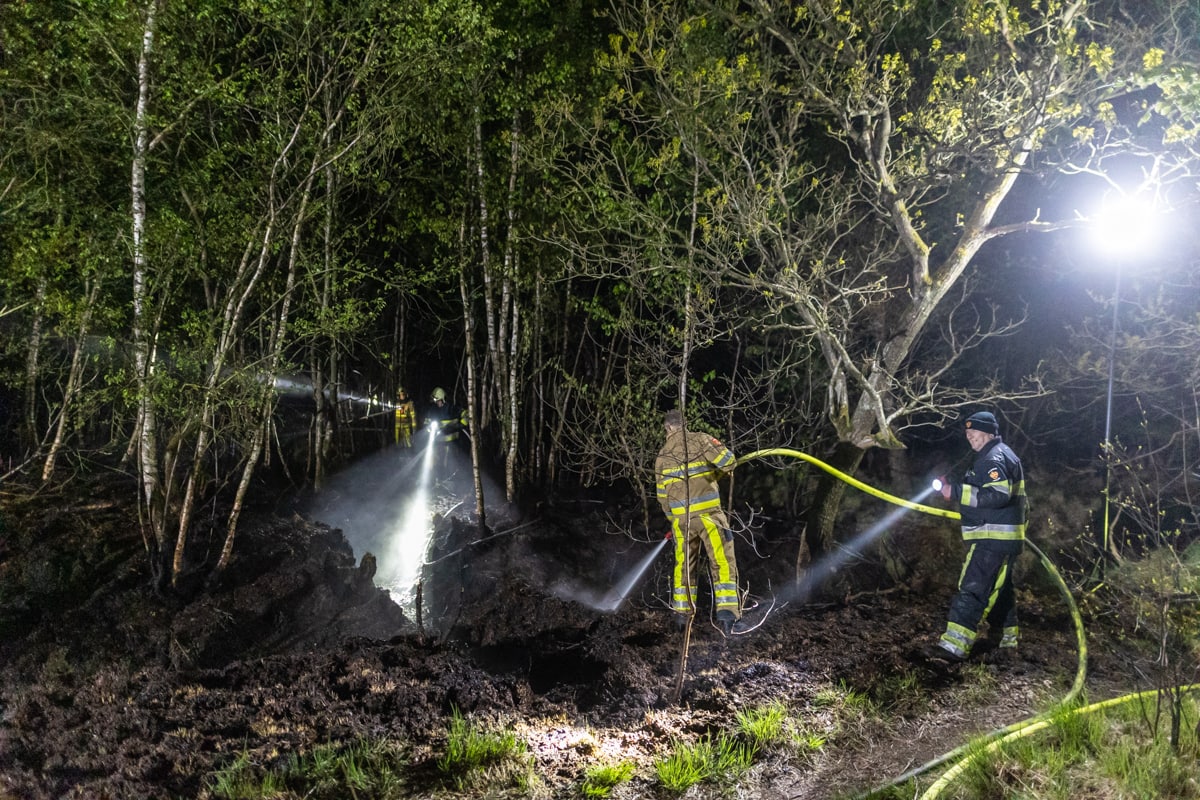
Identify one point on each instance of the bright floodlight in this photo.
(1126, 225)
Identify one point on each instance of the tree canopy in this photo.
(781, 216)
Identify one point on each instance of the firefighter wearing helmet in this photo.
(445, 421)
(406, 418)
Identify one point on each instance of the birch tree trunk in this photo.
(249, 272)
(322, 162)
(507, 363)
(267, 394)
(472, 409)
(321, 424)
(143, 333)
(485, 260)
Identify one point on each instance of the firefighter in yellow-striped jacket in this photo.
(688, 468)
(406, 418)
(995, 512)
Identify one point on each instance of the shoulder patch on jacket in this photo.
(994, 474)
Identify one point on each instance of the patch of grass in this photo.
(1101, 754)
(905, 791)
(1149, 771)
(901, 694)
(763, 726)
(979, 685)
(734, 758)
(722, 759)
(600, 780)
(808, 741)
(686, 766)
(1078, 736)
(371, 768)
(470, 750)
(854, 715)
(845, 698)
(243, 780)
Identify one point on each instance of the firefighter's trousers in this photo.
(710, 531)
(404, 429)
(985, 590)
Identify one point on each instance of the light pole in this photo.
(1123, 227)
(1112, 361)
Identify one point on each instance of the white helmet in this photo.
(439, 394)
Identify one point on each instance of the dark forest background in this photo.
(231, 231)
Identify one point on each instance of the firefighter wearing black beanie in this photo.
(991, 500)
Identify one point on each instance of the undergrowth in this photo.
(474, 755)
(366, 768)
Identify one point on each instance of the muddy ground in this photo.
(111, 690)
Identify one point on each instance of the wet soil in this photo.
(113, 690)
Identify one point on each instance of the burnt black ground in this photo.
(111, 690)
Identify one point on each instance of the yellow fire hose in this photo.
(1012, 731)
(996, 739)
(850, 479)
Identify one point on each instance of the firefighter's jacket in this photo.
(688, 468)
(406, 416)
(991, 497)
(447, 421)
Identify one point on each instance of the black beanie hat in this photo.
(983, 421)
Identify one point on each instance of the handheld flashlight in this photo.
(937, 484)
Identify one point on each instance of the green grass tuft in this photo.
(723, 759)
(471, 750)
(763, 726)
(687, 765)
(600, 780)
(365, 767)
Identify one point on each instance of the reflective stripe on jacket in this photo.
(992, 497)
(688, 468)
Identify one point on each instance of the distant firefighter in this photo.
(406, 418)
(688, 468)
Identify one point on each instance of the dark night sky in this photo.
(1063, 281)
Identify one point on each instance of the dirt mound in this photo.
(110, 690)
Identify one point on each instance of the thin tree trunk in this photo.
(74, 381)
(322, 421)
(563, 398)
(239, 500)
(472, 410)
(400, 343)
(689, 312)
(316, 457)
(485, 261)
(535, 467)
(514, 413)
(507, 363)
(32, 358)
(143, 345)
